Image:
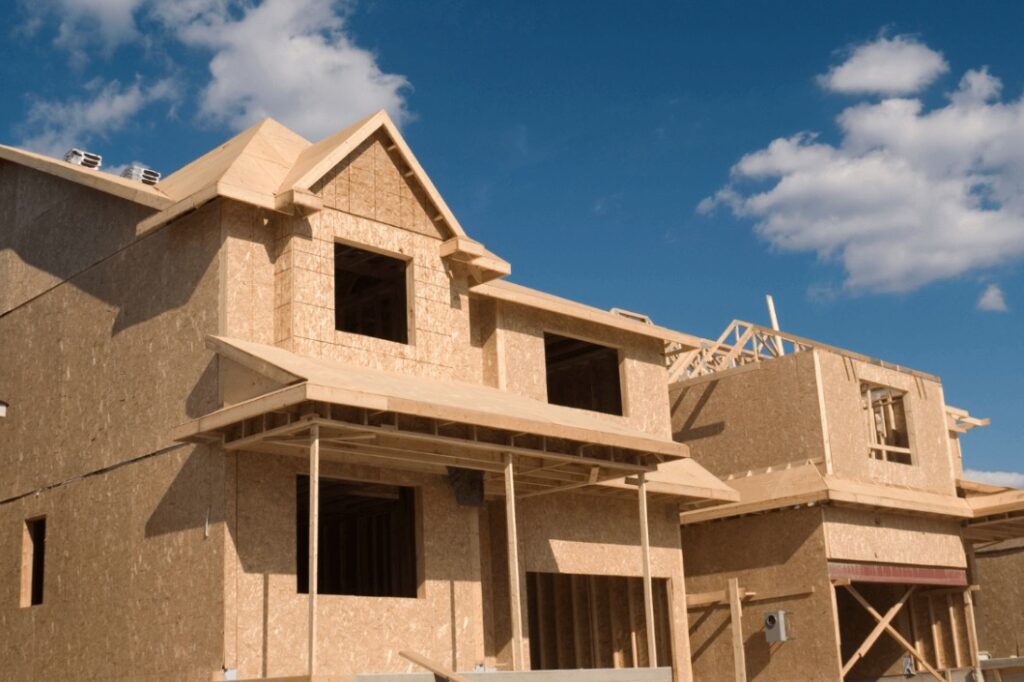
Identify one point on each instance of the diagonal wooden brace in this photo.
(870, 640)
(895, 635)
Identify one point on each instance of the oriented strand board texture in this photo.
(642, 365)
(752, 417)
(932, 469)
(53, 229)
(268, 626)
(879, 537)
(773, 552)
(586, 535)
(1000, 604)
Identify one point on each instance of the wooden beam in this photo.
(739, 659)
(436, 668)
(954, 634)
(513, 567)
(700, 599)
(895, 634)
(937, 644)
(314, 537)
(873, 636)
(645, 551)
(972, 633)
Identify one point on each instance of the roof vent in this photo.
(146, 176)
(84, 158)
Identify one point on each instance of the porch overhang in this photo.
(998, 516)
(373, 417)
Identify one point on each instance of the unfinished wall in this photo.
(932, 468)
(751, 417)
(775, 552)
(642, 373)
(103, 366)
(879, 537)
(1000, 603)
(267, 618)
(584, 535)
(46, 237)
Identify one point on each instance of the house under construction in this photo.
(277, 415)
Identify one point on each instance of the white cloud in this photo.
(53, 127)
(83, 24)
(1009, 479)
(293, 60)
(889, 66)
(992, 299)
(907, 196)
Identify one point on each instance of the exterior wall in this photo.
(932, 469)
(100, 368)
(769, 553)
(642, 364)
(1000, 603)
(878, 537)
(751, 417)
(581, 534)
(267, 619)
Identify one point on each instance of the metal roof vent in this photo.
(146, 176)
(83, 158)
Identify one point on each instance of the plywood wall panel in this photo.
(1000, 603)
(879, 537)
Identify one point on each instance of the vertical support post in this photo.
(314, 536)
(645, 551)
(775, 323)
(972, 633)
(513, 567)
(739, 658)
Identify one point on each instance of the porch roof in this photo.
(371, 416)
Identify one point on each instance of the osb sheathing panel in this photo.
(932, 469)
(642, 372)
(581, 534)
(439, 326)
(371, 183)
(53, 229)
(132, 587)
(878, 537)
(774, 552)
(1000, 603)
(108, 362)
(752, 417)
(247, 260)
(356, 634)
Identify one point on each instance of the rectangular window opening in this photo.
(582, 374)
(367, 539)
(370, 294)
(32, 561)
(887, 424)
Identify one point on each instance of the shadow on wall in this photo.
(688, 431)
(189, 500)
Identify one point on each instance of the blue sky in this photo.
(863, 162)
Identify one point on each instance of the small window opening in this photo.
(582, 374)
(367, 539)
(370, 295)
(887, 424)
(32, 561)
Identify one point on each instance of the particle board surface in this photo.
(880, 537)
(1000, 603)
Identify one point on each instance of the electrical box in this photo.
(775, 626)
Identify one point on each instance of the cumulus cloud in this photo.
(1009, 479)
(84, 24)
(53, 127)
(888, 66)
(293, 60)
(907, 196)
(992, 299)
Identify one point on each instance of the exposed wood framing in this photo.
(739, 659)
(514, 573)
(645, 551)
(439, 670)
(314, 537)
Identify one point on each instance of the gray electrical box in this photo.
(775, 626)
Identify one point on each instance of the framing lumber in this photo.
(645, 551)
(514, 573)
(701, 599)
(314, 537)
(972, 633)
(739, 659)
(877, 632)
(894, 633)
(436, 668)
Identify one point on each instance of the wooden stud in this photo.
(645, 551)
(739, 658)
(972, 633)
(873, 636)
(937, 644)
(513, 567)
(314, 537)
(953, 631)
